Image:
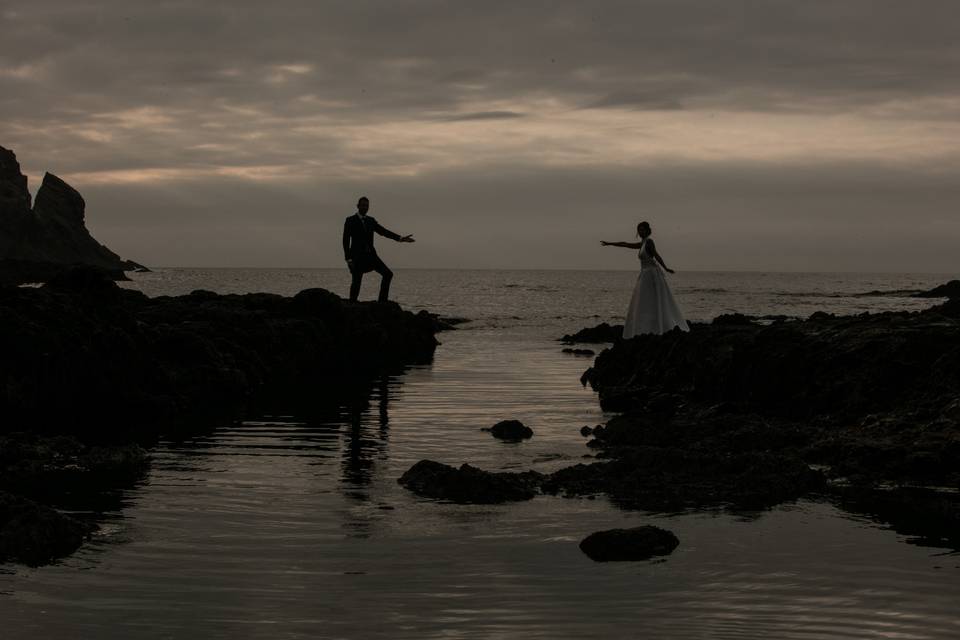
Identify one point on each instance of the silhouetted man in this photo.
(358, 249)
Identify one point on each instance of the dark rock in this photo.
(37, 243)
(601, 333)
(511, 430)
(580, 352)
(949, 290)
(60, 470)
(586, 431)
(638, 543)
(872, 397)
(733, 319)
(84, 356)
(34, 534)
(469, 485)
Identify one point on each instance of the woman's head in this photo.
(644, 230)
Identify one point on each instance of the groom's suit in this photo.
(360, 254)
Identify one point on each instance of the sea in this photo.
(287, 525)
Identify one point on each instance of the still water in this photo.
(292, 525)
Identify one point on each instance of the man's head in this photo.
(363, 205)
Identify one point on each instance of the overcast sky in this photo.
(758, 135)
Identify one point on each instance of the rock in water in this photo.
(638, 543)
(603, 332)
(469, 485)
(34, 534)
(511, 430)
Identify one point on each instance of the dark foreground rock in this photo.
(594, 335)
(34, 534)
(469, 485)
(38, 242)
(88, 369)
(511, 430)
(638, 543)
(949, 290)
(63, 471)
(739, 414)
(83, 356)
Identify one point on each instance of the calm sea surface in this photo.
(292, 524)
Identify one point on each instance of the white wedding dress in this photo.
(652, 307)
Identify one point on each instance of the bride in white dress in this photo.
(652, 308)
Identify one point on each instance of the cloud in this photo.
(483, 115)
(169, 98)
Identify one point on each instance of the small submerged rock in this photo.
(638, 543)
(512, 430)
(469, 485)
(580, 352)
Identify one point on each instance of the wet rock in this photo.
(33, 534)
(872, 398)
(601, 333)
(83, 356)
(949, 290)
(58, 469)
(586, 431)
(669, 479)
(733, 319)
(511, 430)
(638, 543)
(580, 352)
(469, 485)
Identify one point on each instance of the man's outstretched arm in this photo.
(379, 228)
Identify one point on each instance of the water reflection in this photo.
(366, 443)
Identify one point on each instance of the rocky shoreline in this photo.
(745, 414)
(91, 371)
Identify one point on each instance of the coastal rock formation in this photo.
(873, 398)
(110, 367)
(83, 356)
(512, 430)
(37, 243)
(638, 543)
(469, 485)
(949, 290)
(62, 471)
(34, 534)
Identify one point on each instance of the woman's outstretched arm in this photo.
(625, 245)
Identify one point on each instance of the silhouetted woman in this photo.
(652, 308)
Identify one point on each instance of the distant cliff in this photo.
(37, 242)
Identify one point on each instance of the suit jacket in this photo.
(358, 236)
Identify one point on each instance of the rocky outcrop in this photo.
(638, 543)
(469, 485)
(34, 534)
(603, 332)
(735, 412)
(85, 357)
(949, 290)
(37, 243)
(63, 471)
(109, 367)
